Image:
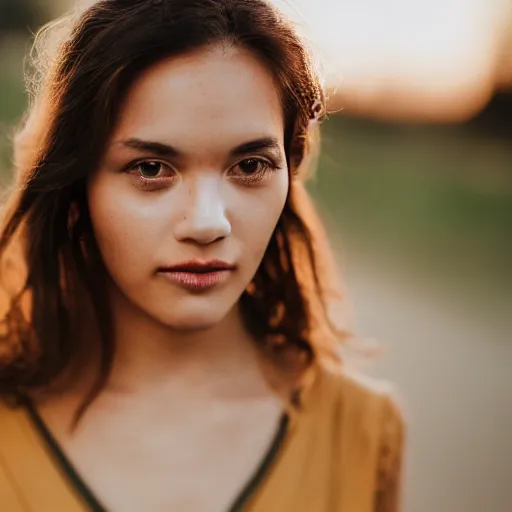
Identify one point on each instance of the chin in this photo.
(193, 320)
(190, 325)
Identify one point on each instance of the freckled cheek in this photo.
(256, 216)
(127, 230)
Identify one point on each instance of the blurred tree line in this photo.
(19, 19)
(20, 16)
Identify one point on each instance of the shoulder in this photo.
(363, 422)
(362, 410)
(11, 457)
(357, 393)
(18, 437)
(13, 427)
(10, 416)
(29, 476)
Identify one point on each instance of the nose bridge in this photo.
(204, 197)
(204, 217)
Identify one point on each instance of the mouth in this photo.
(197, 275)
(199, 266)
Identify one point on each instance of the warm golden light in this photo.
(426, 60)
(436, 59)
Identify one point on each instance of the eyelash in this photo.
(266, 168)
(149, 183)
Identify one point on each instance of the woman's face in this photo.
(191, 187)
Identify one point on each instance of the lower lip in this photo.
(196, 281)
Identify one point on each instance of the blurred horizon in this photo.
(431, 61)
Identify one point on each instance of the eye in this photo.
(152, 169)
(151, 174)
(252, 170)
(252, 166)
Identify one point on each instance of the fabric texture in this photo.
(343, 452)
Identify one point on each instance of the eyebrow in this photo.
(166, 150)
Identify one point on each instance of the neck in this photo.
(216, 364)
(150, 354)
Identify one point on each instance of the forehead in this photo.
(207, 95)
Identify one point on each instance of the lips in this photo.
(200, 267)
(197, 275)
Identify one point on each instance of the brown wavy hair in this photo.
(49, 260)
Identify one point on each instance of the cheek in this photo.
(122, 226)
(258, 215)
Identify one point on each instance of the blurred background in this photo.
(415, 185)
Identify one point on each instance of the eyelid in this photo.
(263, 161)
(272, 161)
(268, 165)
(133, 164)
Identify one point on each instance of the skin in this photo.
(187, 373)
(203, 205)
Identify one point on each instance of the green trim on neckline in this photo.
(65, 464)
(95, 505)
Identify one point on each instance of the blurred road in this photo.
(453, 369)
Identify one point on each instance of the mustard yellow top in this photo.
(341, 452)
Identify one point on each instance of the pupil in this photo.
(249, 166)
(150, 168)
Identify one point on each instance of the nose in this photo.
(203, 219)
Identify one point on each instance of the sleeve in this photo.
(388, 496)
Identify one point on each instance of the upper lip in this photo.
(197, 265)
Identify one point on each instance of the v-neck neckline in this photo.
(94, 504)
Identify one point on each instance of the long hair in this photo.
(49, 260)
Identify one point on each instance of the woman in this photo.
(166, 344)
